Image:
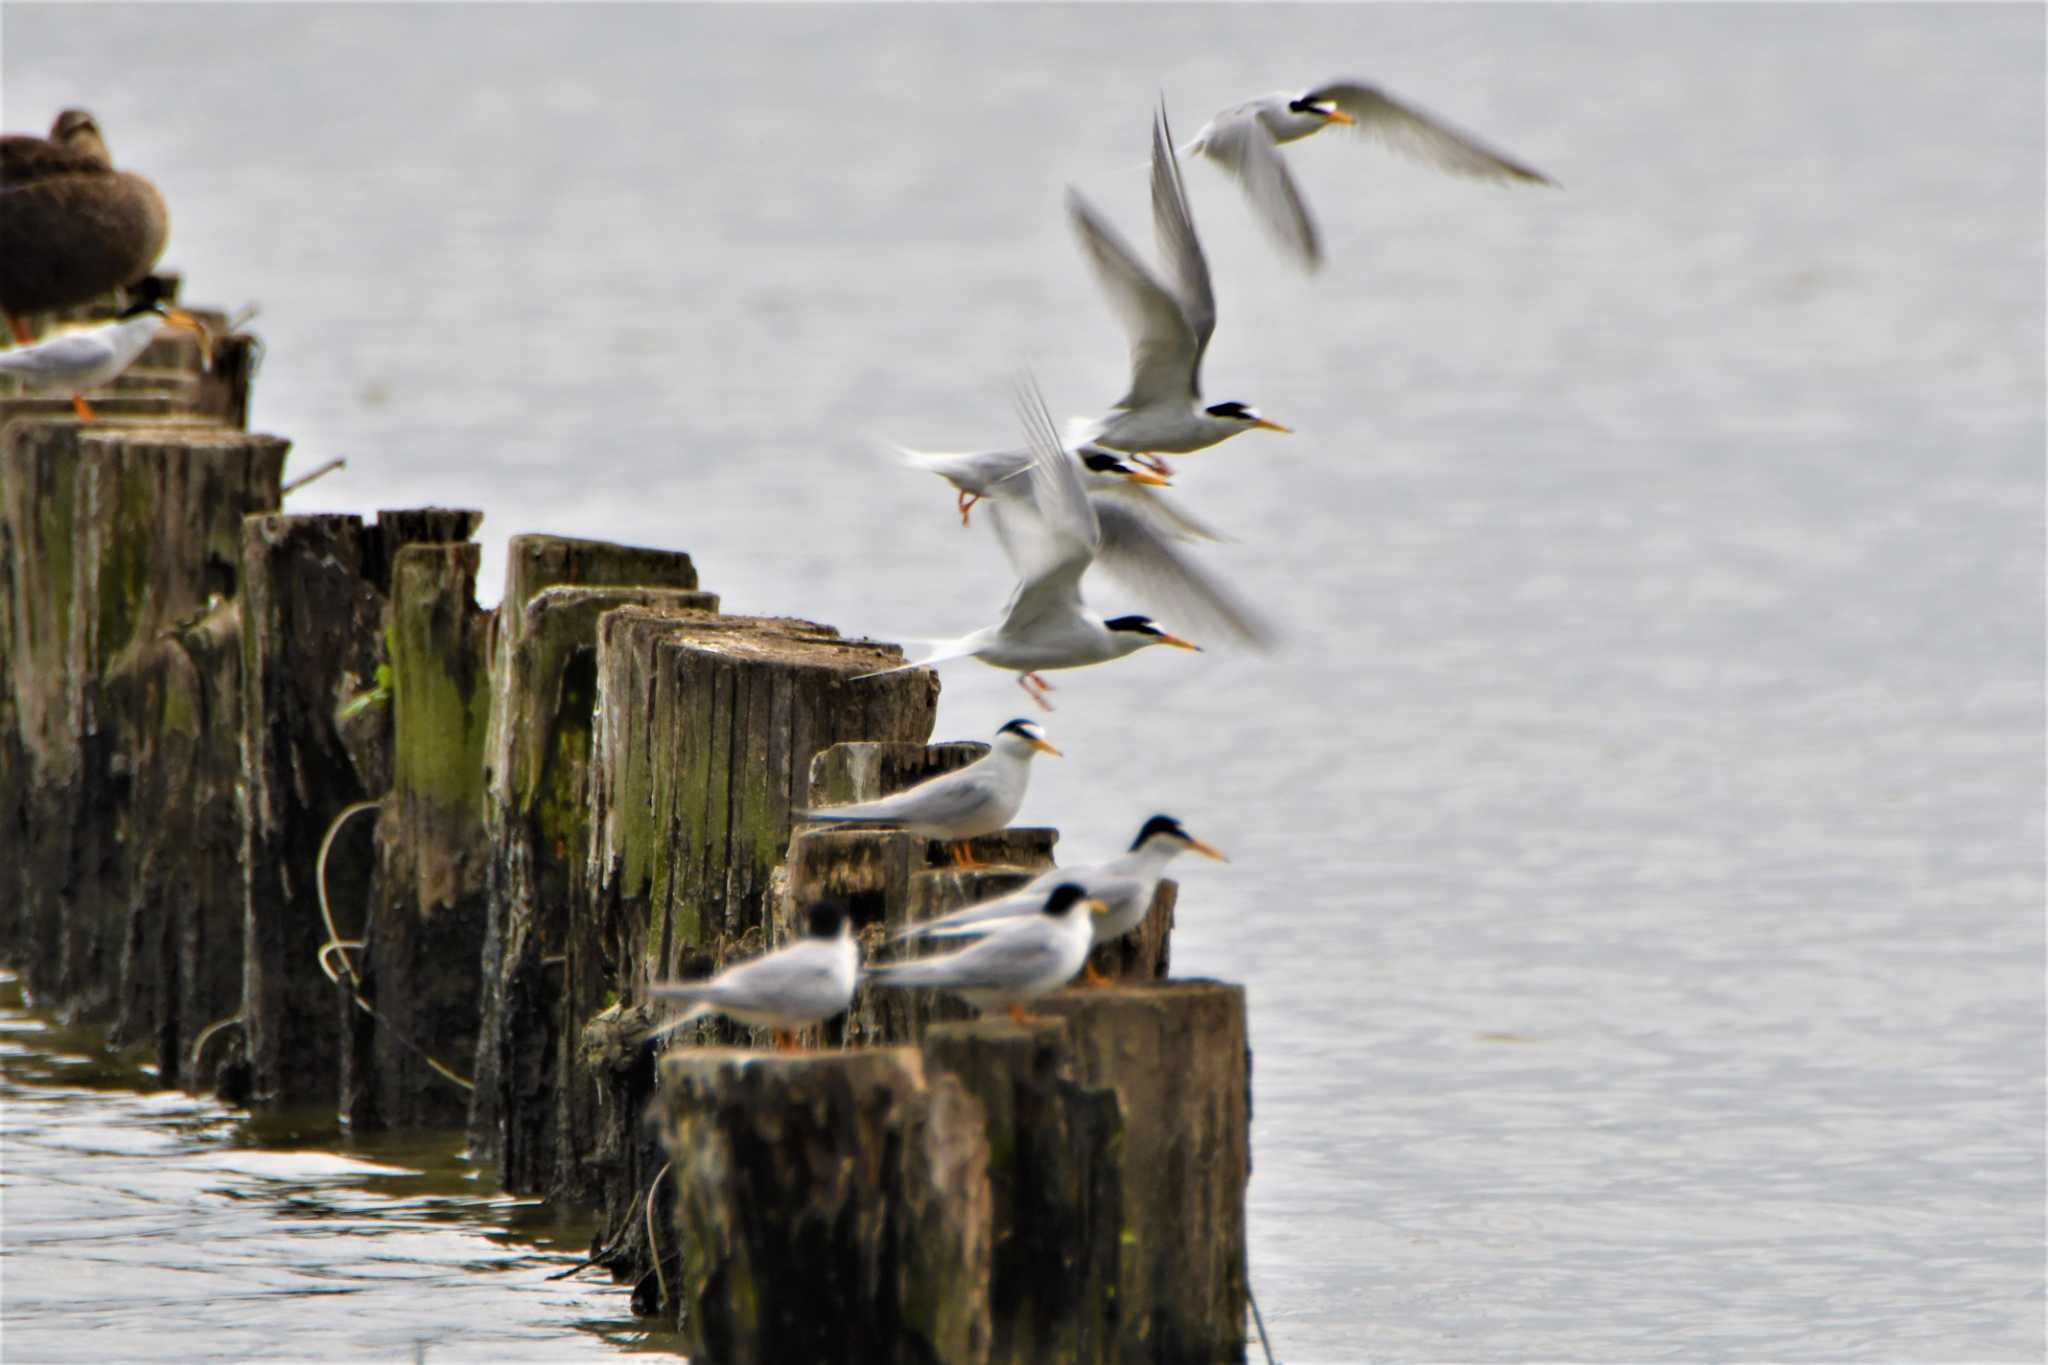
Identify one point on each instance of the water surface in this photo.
(1637, 845)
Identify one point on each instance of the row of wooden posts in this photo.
(585, 788)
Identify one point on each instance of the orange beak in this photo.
(1179, 643)
(1142, 476)
(1274, 426)
(1045, 748)
(1207, 850)
(1339, 116)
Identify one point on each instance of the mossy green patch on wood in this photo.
(440, 693)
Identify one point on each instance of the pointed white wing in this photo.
(1015, 954)
(1052, 542)
(60, 360)
(796, 980)
(943, 800)
(1173, 223)
(1165, 352)
(1414, 133)
(1241, 145)
(1166, 583)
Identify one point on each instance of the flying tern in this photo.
(1245, 141)
(1169, 323)
(1142, 530)
(802, 984)
(76, 361)
(1124, 884)
(1016, 963)
(1046, 625)
(980, 798)
(979, 474)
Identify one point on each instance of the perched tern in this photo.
(1046, 626)
(802, 984)
(1169, 324)
(1124, 884)
(980, 798)
(1017, 962)
(1245, 141)
(76, 361)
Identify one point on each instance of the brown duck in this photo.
(74, 227)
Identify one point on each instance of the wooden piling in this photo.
(827, 1208)
(312, 624)
(1114, 1146)
(116, 535)
(1178, 1057)
(422, 948)
(180, 696)
(709, 725)
(1055, 1189)
(538, 760)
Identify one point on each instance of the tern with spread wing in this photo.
(791, 988)
(1169, 322)
(1143, 531)
(1046, 625)
(1124, 884)
(74, 362)
(1016, 963)
(1245, 141)
(979, 474)
(980, 798)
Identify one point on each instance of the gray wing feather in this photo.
(1412, 132)
(1053, 540)
(1165, 351)
(1173, 223)
(996, 962)
(1243, 147)
(774, 981)
(1167, 583)
(938, 801)
(57, 359)
(1024, 901)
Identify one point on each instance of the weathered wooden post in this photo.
(312, 618)
(829, 1208)
(38, 472)
(1055, 1188)
(116, 535)
(1115, 1150)
(537, 812)
(1178, 1056)
(180, 696)
(708, 727)
(423, 944)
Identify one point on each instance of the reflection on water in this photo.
(154, 1224)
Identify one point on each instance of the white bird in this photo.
(1124, 884)
(1141, 530)
(802, 984)
(1245, 141)
(1018, 961)
(1046, 626)
(77, 361)
(980, 798)
(1169, 324)
(979, 474)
